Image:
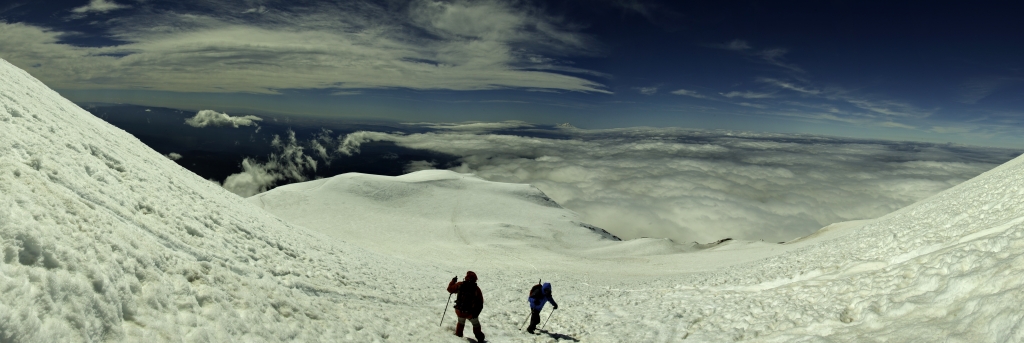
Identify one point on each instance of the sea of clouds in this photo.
(686, 185)
(701, 185)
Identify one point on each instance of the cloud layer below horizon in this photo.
(703, 186)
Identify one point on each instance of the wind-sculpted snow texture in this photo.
(103, 239)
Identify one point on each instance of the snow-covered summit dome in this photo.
(437, 215)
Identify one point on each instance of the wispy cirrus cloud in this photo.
(839, 104)
(100, 6)
(789, 85)
(776, 57)
(977, 89)
(747, 104)
(889, 108)
(773, 56)
(260, 9)
(475, 126)
(690, 93)
(873, 108)
(735, 45)
(747, 95)
(647, 90)
(345, 46)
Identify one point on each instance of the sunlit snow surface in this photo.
(105, 239)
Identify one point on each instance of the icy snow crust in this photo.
(105, 240)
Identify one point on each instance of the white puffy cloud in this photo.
(254, 179)
(704, 186)
(288, 162)
(351, 143)
(207, 118)
(225, 47)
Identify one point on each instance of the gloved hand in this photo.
(455, 279)
(555, 306)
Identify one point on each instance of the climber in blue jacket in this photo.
(539, 295)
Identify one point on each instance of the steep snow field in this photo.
(104, 239)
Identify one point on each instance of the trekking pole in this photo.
(521, 327)
(445, 309)
(546, 320)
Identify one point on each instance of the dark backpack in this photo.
(467, 299)
(537, 292)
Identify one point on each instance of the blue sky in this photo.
(893, 70)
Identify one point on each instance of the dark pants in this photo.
(476, 328)
(534, 320)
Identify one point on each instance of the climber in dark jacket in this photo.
(539, 295)
(468, 304)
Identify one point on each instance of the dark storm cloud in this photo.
(704, 186)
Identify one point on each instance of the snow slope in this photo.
(104, 239)
(437, 215)
(943, 269)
